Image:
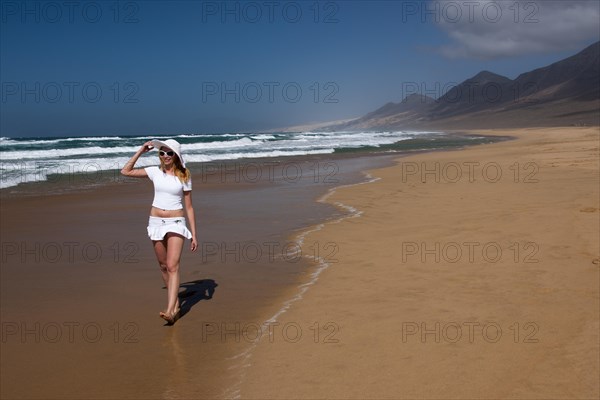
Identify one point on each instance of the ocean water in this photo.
(25, 160)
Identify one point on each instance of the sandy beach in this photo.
(81, 291)
(390, 200)
(470, 274)
(452, 274)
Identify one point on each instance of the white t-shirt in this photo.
(168, 189)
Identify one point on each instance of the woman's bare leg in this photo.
(160, 249)
(174, 249)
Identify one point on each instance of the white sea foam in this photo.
(26, 171)
(26, 160)
(263, 137)
(62, 153)
(229, 144)
(12, 142)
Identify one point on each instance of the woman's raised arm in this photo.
(128, 168)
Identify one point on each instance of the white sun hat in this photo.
(171, 144)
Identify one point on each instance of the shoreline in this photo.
(319, 264)
(277, 354)
(87, 268)
(39, 179)
(226, 348)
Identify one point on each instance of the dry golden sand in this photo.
(377, 302)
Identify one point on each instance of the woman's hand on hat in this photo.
(146, 147)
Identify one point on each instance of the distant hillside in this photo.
(474, 94)
(411, 109)
(561, 94)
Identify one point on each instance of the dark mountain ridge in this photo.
(564, 93)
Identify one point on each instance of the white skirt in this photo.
(158, 227)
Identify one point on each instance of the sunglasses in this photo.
(166, 153)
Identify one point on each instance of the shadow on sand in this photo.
(193, 292)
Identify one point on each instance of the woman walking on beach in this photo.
(167, 225)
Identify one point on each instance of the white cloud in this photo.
(493, 29)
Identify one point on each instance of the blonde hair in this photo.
(181, 172)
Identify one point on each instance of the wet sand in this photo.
(470, 274)
(366, 312)
(81, 290)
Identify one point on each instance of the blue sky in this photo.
(152, 67)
